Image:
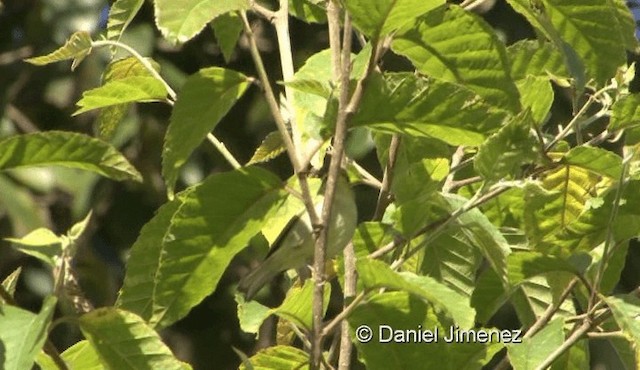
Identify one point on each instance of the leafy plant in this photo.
(489, 200)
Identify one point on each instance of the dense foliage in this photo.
(493, 158)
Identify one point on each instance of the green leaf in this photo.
(505, 152)
(124, 341)
(182, 252)
(79, 356)
(122, 91)
(551, 208)
(532, 351)
(41, 243)
(426, 107)
(525, 265)
(626, 310)
(452, 260)
(297, 305)
(596, 160)
(404, 313)
(626, 24)
(110, 116)
(251, 314)
(121, 14)
(10, 282)
(378, 18)
(22, 334)
(227, 28)
(67, 149)
(626, 112)
(76, 48)
(539, 59)
(309, 11)
(599, 44)
(475, 58)
(534, 296)
(613, 267)
(20, 206)
(488, 296)
(271, 147)
(279, 358)
(536, 94)
(376, 274)
(204, 99)
(180, 21)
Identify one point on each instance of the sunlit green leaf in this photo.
(124, 341)
(524, 265)
(597, 160)
(182, 252)
(110, 116)
(378, 18)
(417, 106)
(10, 282)
(79, 356)
(626, 112)
(537, 59)
(536, 94)
(180, 21)
(76, 48)
(505, 152)
(22, 334)
(297, 305)
(532, 351)
(271, 147)
(204, 99)
(626, 310)
(251, 314)
(122, 91)
(599, 44)
(405, 313)
(279, 358)
(41, 243)
(475, 58)
(376, 274)
(309, 11)
(67, 149)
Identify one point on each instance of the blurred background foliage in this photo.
(43, 98)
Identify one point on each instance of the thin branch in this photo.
(606, 335)
(551, 310)
(20, 119)
(456, 158)
(384, 196)
(13, 56)
(333, 324)
(573, 338)
(281, 24)
(224, 151)
(335, 165)
(350, 280)
(368, 177)
(280, 122)
(264, 12)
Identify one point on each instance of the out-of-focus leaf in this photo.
(121, 14)
(182, 252)
(251, 314)
(204, 99)
(18, 203)
(67, 149)
(122, 91)
(22, 334)
(179, 21)
(309, 11)
(626, 112)
(76, 48)
(11, 281)
(41, 243)
(475, 58)
(124, 341)
(227, 28)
